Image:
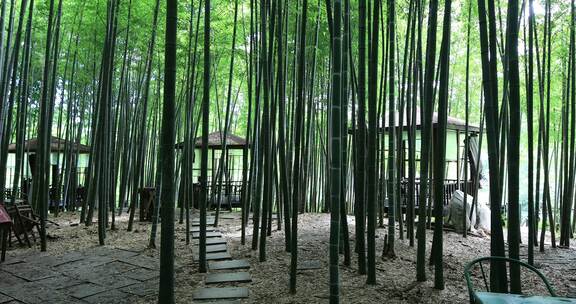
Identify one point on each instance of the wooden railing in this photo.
(229, 194)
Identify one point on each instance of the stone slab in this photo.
(221, 293)
(60, 282)
(20, 291)
(274, 216)
(141, 274)
(216, 241)
(229, 217)
(114, 282)
(75, 267)
(211, 241)
(233, 264)
(33, 293)
(68, 257)
(50, 296)
(216, 256)
(115, 267)
(85, 290)
(223, 302)
(197, 224)
(309, 265)
(4, 298)
(209, 235)
(142, 261)
(9, 280)
(142, 289)
(208, 220)
(11, 260)
(32, 257)
(209, 216)
(29, 272)
(197, 229)
(228, 277)
(111, 296)
(216, 248)
(44, 259)
(110, 252)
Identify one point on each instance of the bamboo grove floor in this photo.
(71, 243)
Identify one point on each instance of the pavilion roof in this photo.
(215, 141)
(453, 123)
(56, 145)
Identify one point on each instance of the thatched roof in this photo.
(215, 141)
(56, 145)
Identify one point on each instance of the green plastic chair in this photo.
(468, 273)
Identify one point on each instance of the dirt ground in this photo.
(395, 277)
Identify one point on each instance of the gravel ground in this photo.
(395, 277)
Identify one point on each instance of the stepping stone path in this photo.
(224, 272)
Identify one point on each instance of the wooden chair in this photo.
(81, 195)
(5, 226)
(24, 220)
(147, 198)
(488, 296)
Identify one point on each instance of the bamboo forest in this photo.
(287, 151)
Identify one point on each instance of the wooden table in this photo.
(502, 298)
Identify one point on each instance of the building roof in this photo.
(453, 123)
(56, 145)
(215, 141)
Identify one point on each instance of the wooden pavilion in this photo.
(58, 149)
(231, 184)
(457, 160)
